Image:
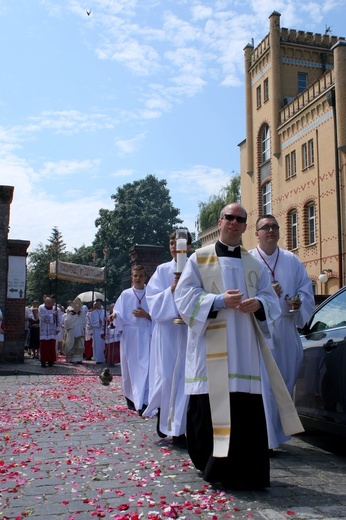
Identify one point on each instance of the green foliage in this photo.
(143, 214)
(38, 282)
(209, 212)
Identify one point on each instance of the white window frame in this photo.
(311, 222)
(294, 229)
(267, 198)
(265, 143)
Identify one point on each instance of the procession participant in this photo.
(34, 336)
(132, 320)
(59, 337)
(88, 342)
(74, 323)
(112, 340)
(97, 322)
(289, 278)
(225, 297)
(167, 399)
(50, 326)
(28, 314)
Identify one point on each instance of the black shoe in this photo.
(140, 412)
(180, 442)
(43, 365)
(158, 431)
(130, 404)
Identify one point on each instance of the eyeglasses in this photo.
(268, 227)
(230, 218)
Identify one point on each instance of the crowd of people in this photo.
(220, 380)
(76, 333)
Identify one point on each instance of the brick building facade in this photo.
(293, 157)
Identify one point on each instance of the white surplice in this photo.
(167, 358)
(285, 344)
(97, 322)
(134, 345)
(244, 358)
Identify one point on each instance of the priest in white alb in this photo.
(289, 279)
(225, 297)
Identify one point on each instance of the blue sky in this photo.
(89, 103)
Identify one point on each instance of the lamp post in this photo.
(323, 277)
(330, 96)
(105, 256)
(94, 255)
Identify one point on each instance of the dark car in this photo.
(320, 395)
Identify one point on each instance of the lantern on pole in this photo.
(181, 251)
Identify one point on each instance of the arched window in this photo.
(265, 140)
(266, 198)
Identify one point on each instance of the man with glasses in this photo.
(225, 297)
(289, 279)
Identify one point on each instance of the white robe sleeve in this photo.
(303, 286)
(159, 296)
(193, 303)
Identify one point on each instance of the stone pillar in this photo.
(6, 196)
(13, 350)
(13, 308)
(147, 255)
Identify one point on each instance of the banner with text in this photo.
(76, 272)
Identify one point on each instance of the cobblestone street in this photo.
(70, 449)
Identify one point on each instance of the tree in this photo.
(143, 214)
(209, 212)
(38, 282)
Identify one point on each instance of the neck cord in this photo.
(138, 298)
(264, 260)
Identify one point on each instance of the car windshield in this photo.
(332, 315)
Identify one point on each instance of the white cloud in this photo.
(74, 214)
(138, 57)
(34, 212)
(200, 181)
(201, 12)
(123, 173)
(63, 167)
(70, 121)
(127, 146)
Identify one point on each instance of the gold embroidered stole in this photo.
(217, 354)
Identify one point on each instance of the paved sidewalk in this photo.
(33, 367)
(70, 449)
